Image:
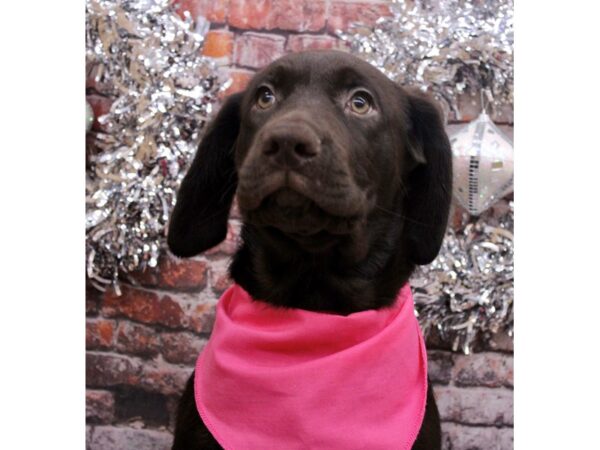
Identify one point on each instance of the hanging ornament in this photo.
(89, 116)
(483, 164)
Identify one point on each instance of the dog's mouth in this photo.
(314, 214)
(295, 191)
(288, 213)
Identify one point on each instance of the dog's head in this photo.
(324, 152)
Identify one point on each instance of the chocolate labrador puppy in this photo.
(343, 180)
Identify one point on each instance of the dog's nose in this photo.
(290, 148)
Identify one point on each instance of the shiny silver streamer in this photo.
(148, 60)
(448, 47)
(466, 293)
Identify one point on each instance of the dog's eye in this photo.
(265, 98)
(360, 103)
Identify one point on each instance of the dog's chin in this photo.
(288, 215)
(320, 242)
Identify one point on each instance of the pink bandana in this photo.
(280, 378)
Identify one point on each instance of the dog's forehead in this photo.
(324, 66)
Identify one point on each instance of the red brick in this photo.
(100, 105)
(137, 339)
(173, 273)
(93, 298)
(166, 379)
(104, 437)
(213, 10)
(483, 369)
(456, 436)
(303, 42)
(91, 306)
(249, 14)
(439, 366)
(172, 407)
(181, 348)
(202, 318)
(343, 12)
(294, 15)
(239, 80)
(99, 333)
(231, 242)
(144, 306)
(475, 406)
(136, 405)
(99, 406)
(218, 276)
(104, 369)
(257, 50)
(218, 44)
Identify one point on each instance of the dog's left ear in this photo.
(199, 219)
(430, 183)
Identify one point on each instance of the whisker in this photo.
(216, 213)
(402, 216)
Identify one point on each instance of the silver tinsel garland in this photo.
(466, 293)
(449, 47)
(142, 55)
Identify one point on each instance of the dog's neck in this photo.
(323, 282)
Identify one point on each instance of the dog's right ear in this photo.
(430, 184)
(199, 219)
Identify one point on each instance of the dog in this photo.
(343, 179)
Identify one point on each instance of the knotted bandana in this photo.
(286, 379)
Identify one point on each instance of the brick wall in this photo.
(141, 346)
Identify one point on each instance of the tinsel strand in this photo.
(148, 60)
(466, 293)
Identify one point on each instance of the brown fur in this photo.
(338, 207)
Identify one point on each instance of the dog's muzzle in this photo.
(295, 179)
